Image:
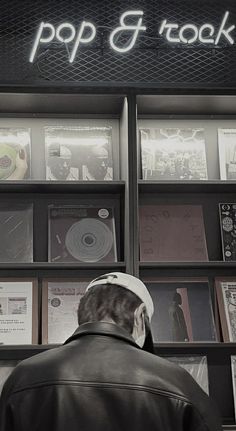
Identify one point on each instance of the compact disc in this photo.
(89, 240)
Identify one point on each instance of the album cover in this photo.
(233, 369)
(78, 153)
(196, 366)
(173, 154)
(228, 230)
(60, 303)
(15, 155)
(182, 310)
(16, 232)
(82, 233)
(226, 297)
(172, 233)
(6, 368)
(18, 311)
(227, 153)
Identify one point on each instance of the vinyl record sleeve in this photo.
(16, 232)
(60, 303)
(173, 154)
(228, 230)
(82, 234)
(226, 297)
(6, 368)
(227, 153)
(15, 153)
(172, 233)
(233, 370)
(182, 310)
(196, 366)
(18, 311)
(78, 153)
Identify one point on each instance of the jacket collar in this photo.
(102, 328)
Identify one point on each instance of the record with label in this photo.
(81, 233)
(228, 230)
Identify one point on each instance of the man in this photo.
(101, 379)
(97, 165)
(60, 165)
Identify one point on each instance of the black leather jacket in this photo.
(100, 380)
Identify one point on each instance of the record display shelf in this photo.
(177, 112)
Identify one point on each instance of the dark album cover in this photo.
(228, 230)
(81, 233)
(196, 366)
(78, 153)
(182, 311)
(172, 233)
(16, 232)
(173, 154)
(15, 153)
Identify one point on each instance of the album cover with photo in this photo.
(173, 154)
(182, 310)
(78, 153)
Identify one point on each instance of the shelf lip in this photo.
(195, 345)
(61, 265)
(194, 265)
(206, 186)
(38, 186)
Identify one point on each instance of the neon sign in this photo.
(188, 34)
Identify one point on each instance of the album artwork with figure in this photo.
(177, 316)
(173, 154)
(82, 233)
(78, 153)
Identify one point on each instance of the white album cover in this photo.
(63, 299)
(173, 154)
(16, 305)
(228, 292)
(196, 366)
(83, 233)
(15, 153)
(227, 153)
(78, 153)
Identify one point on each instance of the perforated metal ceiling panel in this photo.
(152, 62)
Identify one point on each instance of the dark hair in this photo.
(109, 301)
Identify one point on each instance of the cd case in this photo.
(173, 154)
(82, 233)
(176, 315)
(78, 153)
(228, 230)
(60, 301)
(196, 366)
(15, 153)
(16, 232)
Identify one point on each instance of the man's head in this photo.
(60, 162)
(121, 299)
(97, 162)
